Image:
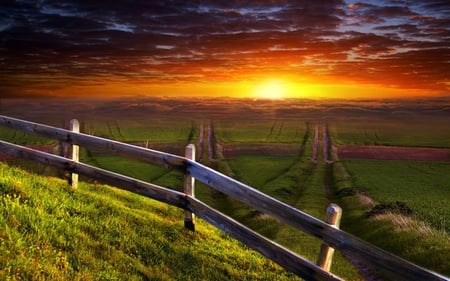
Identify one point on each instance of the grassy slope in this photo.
(48, 231)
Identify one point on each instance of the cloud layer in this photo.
(51, 44)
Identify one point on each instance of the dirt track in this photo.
(393, 153)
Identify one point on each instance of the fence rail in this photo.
(392, 265)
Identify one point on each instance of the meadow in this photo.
(423, 131)
(50, 232)
(356, 185)
(391, 227)
(259, 130)
(421, 186)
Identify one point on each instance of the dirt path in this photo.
(315, 144)
(380, 152)
(200, 142)
(211, 142)
(328, 170)
(328, 157)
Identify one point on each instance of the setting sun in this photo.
(273, 89)
(260, 51)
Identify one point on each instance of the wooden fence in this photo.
(391, 265)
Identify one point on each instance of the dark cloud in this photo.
(223, 40)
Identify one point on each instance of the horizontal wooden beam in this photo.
(159, 193)
(152, 156)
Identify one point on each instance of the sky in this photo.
(259, 49)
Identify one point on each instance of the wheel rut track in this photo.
(366, 272)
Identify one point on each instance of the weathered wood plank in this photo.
(152, 156)
(286, 258)
(163, 194)
(395, 266)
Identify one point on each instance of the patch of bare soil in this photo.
(380, 152)
(260, 149)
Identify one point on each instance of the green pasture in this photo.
(142, 130)
(296, 181)
(406, 236)
(260, 130)
(21, 138)
(126, 130)
(422, 186)
(139, 170)
(50, 232)
(404, 132)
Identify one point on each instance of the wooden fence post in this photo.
(189, 189)
(74, 127)
(334, 214)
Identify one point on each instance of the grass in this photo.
(422, 186)
(142, 130)
(408, 237)
(19, 137)
(260, 130)
(413, 131)
(296, 181)
(127, 130)
(49, 231)
(137, 169)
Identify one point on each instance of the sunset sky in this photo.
(260, 49)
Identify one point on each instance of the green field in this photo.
(142, 130)
(426, 132)
(407, 236)
(260, 130)
(296, 181)
(50, 232)
(358, 186)
(422, 186)
(21, 138)
(136, 169)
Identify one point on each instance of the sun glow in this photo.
(272, 89)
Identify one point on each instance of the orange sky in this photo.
(259, 49)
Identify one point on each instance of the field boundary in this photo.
(349, 245)
(384, 152)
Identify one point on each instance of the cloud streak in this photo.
(393, 43)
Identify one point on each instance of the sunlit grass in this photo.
(49, 231)
(411, 238)
(422, 186)
(296, 181)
